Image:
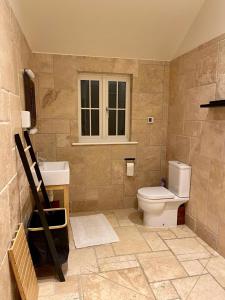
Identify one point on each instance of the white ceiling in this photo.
(148, 29)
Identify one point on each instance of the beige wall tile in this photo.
(118, 168)
(57, 103)
(4, 106)
(42, 63)
(4, 223)
(54, 126)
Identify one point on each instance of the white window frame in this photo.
(103, 105)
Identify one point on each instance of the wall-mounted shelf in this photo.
(215, 103)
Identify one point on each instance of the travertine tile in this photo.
(46, 289)
(133, 279)
(159, 266)
(14, 204)
(183, 231)
(154, 241)
(42, 63)
(184, 286)
(54, 126)
(103, 251)
(117, 171)
(203, 287)
(130, 242)
(4, 106)
(216, 267)
(7, 283)
(117, 263)
(125, 216)
(82, 261)
(5, 231)
(57, 104)
(193, 267)
(96, 287)
(112, 219)
(208, 248)
(71, 286)
(164, 290)
(68, 296)
(187, 248)
(166, 234)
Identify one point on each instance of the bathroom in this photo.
(164, 60)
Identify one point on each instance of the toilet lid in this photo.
(157, 192)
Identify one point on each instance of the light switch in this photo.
(150, 120)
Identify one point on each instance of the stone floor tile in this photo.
(133, 279)
(103, 251)
(205, 287)
(182, 231)
(71, 286)
(46, 288)
(82, 261)
(154, 241)
(112, 219)
(216, 267)
(163, 266)
(117, 263)
(187, 248)
(193, 267)
(166, 234)
(164, 290)
(130, 242)
(143, 229)
(96, 287)
(184, 286)
(208, 248)
(69, 296)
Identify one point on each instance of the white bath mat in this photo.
(92, 230)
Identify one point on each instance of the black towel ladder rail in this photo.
(34, 189)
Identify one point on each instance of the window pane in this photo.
(95, 94)
(112, 123)
(94, 122)
(121, 122)
(112, 85)
(85, 121)
(121, 94)
(85, 93)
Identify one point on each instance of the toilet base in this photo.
(167, 218)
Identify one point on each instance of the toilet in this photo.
(160, 205)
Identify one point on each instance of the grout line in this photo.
(116, 283)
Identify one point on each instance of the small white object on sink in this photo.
(54, 173)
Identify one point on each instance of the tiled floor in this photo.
(161, 264)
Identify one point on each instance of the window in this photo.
(103, 108)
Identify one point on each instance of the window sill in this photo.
(103, 143)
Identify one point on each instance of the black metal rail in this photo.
(34, 189)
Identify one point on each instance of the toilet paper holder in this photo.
(129, 159)
(130, 166)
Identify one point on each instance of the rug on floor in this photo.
(92, 230)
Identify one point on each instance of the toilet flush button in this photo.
(150, 120)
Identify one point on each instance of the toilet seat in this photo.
(155, 193)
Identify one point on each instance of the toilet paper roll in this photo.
(130, 169)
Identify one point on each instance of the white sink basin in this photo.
(54, 173)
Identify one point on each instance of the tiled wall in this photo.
(98, 179)
(197, 136)
(15, 204)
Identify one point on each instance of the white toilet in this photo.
(160, 205)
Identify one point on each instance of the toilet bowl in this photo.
(160, 205)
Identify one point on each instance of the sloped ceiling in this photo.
(148, 29)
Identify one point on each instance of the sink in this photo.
(54, 173)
